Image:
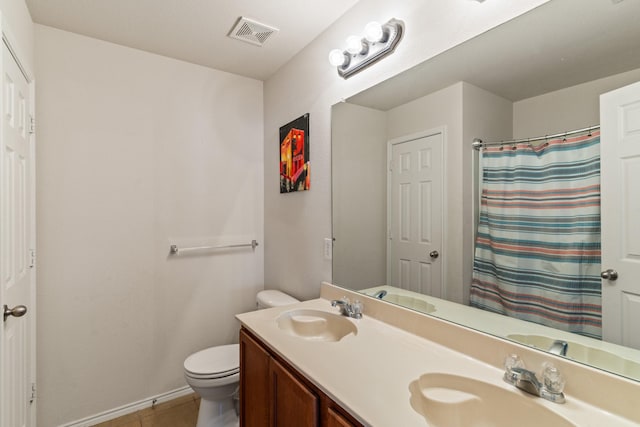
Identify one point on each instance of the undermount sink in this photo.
(585, 354)
(447, 400)
(316, 325)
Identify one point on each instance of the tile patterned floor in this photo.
(181, 412)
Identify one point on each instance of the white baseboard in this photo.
(130, 408)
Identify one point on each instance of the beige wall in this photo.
(359, 206)
(296, 224)
(485, 115)
(571, 108)
(137, 151)
(16, 17)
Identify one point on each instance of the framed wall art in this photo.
(294, 155)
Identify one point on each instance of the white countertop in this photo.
(369, 374)
(611, 357)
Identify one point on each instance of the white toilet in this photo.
(214, 373)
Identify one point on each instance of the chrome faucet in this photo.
(347, 308)
(552, 381)
(559, 347)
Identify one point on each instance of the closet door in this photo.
(620, 166)
(17, 228)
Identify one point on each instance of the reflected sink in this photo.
(447, 400)
(316, 325)
(585, 354)
(414, 303)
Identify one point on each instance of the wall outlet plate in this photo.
(328, 248)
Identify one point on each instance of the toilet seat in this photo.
(215, 376)
(214, 362)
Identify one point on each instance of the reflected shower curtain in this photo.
(537, 254)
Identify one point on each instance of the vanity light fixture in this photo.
(362, 51)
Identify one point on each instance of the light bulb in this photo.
(354, 45)
(373, 32)
(337, 58)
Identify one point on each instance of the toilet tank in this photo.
(272, 298)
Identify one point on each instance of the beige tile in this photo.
(180, 412)
(161, 407)
(130, 420)
(182, 415)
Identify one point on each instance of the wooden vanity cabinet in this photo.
(274, 394)
(293, 403)
(254, 383)
(335, 418)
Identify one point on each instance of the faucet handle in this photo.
(510, 362)
(356, 309)
(513, 361)
(552, 379)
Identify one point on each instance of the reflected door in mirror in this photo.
(620, 156)
(415, 214)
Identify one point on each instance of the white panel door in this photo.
(620, 156)
(16, 222)
(415, 215)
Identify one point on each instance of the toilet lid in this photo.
(273, 298)
(217, 361)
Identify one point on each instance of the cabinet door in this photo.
(294, 404)
(254, 383)
(336, 419)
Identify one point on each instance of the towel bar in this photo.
(174, 249)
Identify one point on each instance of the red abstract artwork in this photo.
(294, 155)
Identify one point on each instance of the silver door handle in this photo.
(434, 254)
(17, 311)
(609, 274)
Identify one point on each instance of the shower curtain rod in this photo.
(477, 143)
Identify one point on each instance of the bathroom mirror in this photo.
(554, 47)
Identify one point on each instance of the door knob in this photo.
(434, 254)
(17, 311)
(609, 274)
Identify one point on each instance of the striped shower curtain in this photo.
(537, 254)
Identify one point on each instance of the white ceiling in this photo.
(196, 30)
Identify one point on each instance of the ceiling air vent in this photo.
(251, 31)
